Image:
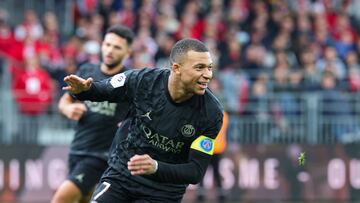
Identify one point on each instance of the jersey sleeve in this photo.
(206, 141)
(214, 126)
(119, 88)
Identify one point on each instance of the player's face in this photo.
(196, 72)
(114, 49)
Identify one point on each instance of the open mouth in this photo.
(203, 85)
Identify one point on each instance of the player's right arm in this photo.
(76, 84)
(115, 89)
(70, 108)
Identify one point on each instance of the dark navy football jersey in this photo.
(159, 127)
(96, 128)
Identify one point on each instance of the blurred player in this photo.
(97, 121)
(173, 122)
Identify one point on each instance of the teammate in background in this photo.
(173, 122)
(97, 121)
(219, 148)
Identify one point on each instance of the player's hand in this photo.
(74, 111)
(142, 165)
(77, 84)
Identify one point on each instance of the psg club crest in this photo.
(188, 130)
(206, 144)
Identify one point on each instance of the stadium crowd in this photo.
(259, 47)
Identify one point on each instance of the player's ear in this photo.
(175, 67)
(129, 52)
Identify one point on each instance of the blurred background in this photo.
(286, 71)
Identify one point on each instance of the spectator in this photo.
(353, 67)
(29, 26)
(235, 84)
(336, 109)
(165, 42)
(33, 93)
(311, 75)
(33, 88)
(331, 58)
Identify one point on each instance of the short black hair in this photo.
(181, 48)
(122, 31)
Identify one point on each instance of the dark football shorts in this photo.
(85, 172)
(115, 188)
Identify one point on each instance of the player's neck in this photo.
(111, 71)
(176, 90)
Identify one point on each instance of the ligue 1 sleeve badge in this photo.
(118, 80)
